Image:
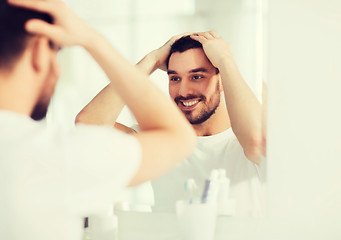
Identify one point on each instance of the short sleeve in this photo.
(99, 164)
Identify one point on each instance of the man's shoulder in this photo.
(14, 126)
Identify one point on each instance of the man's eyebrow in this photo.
(198, 70)
(171, 72)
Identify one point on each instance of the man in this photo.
(50, 178)
(205, 83)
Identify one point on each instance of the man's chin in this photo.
(196, 119)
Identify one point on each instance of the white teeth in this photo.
(188, 104)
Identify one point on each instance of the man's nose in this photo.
(185, 88)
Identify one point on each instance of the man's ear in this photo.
(40, 58)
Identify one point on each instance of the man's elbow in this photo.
(84, 118)
(79, 118)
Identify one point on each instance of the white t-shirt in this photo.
(212, 152)
(50, 179)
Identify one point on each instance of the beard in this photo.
(203, 116)
(206, 111)
(40, 110)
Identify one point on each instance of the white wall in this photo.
(304, 141)
(304, 134)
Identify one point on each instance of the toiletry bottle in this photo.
(104, 226)
(225, 206)
(87, 233)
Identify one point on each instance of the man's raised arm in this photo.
(166, 138)
(244, 109)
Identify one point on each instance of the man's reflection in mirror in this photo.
(206, 85)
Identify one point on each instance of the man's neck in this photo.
(14, 95)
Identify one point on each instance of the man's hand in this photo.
(157, 58)
(161, 54)
(216, 49)
(67, 29)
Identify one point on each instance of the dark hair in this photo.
(183, 44)
(14, 38)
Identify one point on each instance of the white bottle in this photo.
(103, 226)
(225, 206)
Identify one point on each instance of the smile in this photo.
(189, 104)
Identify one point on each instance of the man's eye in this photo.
(175, 79)
(196, 77)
